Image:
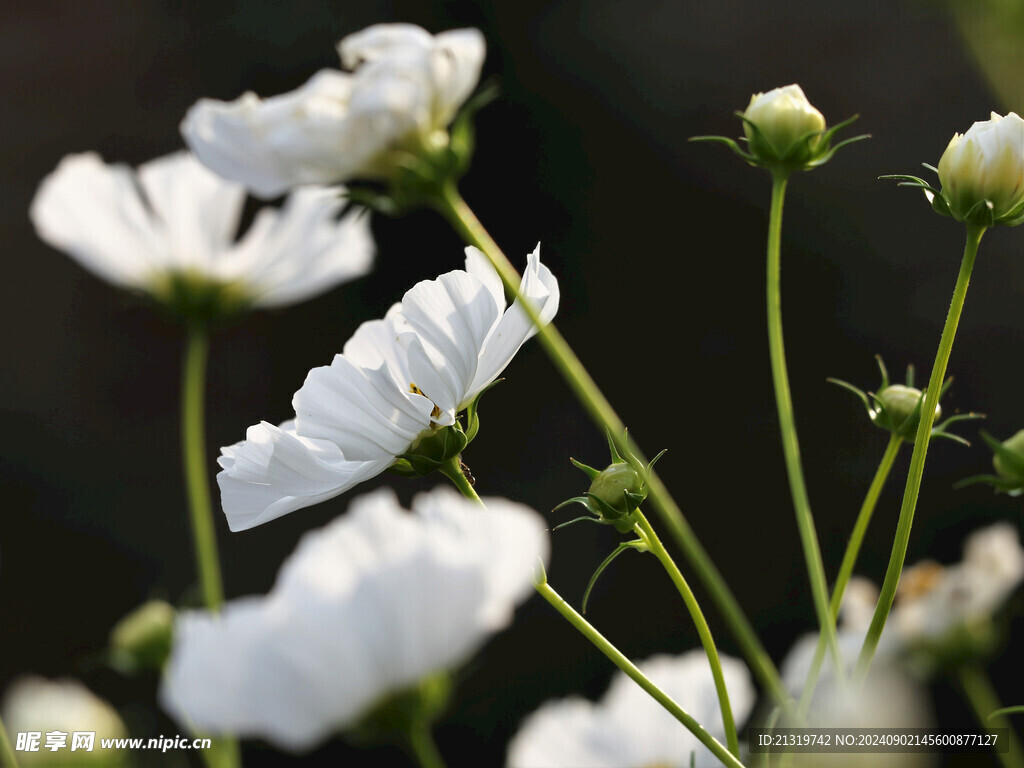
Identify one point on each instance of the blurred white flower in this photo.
(34, 704)
(986, 164)
(934, 600)
(366, 607)
(396, 382)
(629, 729)
(173, 220)
(404, 92)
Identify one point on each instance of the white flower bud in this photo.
(783, 117)
(985, 164)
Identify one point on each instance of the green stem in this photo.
(452, 469)
(421, 741)
(703, 630)
(984, 701)
(787, 425)
(924, 433)
(7, 757)
(623, 663)
(860, 528)
(193, 444)
(451, 205)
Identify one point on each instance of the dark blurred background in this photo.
(658, 245)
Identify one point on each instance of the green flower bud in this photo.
(612, 484)
(782, 125)
(982, 172)
(1005, 466)
(897, 407)
(900, 412)
(143, 637)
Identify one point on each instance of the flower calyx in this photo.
(613, 498)
(435, 450)
(199, 300)
(1008, 462)
(784, 132)
(420, 176)
(615, 493)
(897, 407)
(981, 174)
(142, 639)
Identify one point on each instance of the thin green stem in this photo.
(703, 630)
(623, 663)
(452, 469)
(193, 444)
(451, 205)
(7, 757)
(860, 528)
(787, 425)
(984, 701)
(924, 433)
(421, 741)
(193, 447)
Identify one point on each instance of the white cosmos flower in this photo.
(629, 729)
(366, 607)
(405, 90)
(934, 600)
(174, 219)
(35, 704)
(396, 381)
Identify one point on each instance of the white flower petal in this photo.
(364, 411)
(627, 727)
(275, 471)
(273, 144)
(196, 211)
(541, 289)
(303, 249)
(382, 40)
(366, 607)
(456, 61)
(94, 212)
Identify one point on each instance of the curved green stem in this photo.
(7, 757)
(984, 701)
(623, 663)
(451, 205)
(860, 528)
(193, 445)
(924, 433)
(452, 470)
(421, 741)
(787, 424)
(703, 630)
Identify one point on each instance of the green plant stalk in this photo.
(193, 444)
(451, 205)
(924, 433)
(787, 424)
(424, 749)
(452, 470)
(623, 663)
(7, 757)
(985, 701)
(860, 528)
(647, 533)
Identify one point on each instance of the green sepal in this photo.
(472, 412)
(580, 519)
(430, 453)
(462, 141)
(590, 472)
(1006, 486)
(1013, 460)
(605, 563)
(730, 143)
